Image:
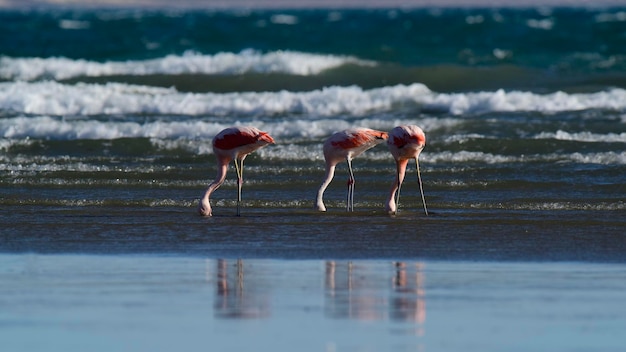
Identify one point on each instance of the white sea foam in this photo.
(53, 98)
(616, 158)
(308, 152)
(466, 156)
(544, 24)
(619, 16)
(305, 152)
(463, 138)
(584, 136)
(45, 127)
(551, 206)
(501, 101)
(293, 131)
(290, 62)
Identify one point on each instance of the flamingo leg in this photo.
(350, 200)
(239, 169)
(419, 180)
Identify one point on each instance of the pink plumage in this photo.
(346, 145)
(233, 143)
(405, 143)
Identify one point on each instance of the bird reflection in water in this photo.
(352, 291)
(235, 298)
(408, 301)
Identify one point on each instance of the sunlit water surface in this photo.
(164, 303)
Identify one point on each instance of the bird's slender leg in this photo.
(239, 169)
(419, 180)
(350, 201)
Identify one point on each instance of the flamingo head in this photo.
(204, 208)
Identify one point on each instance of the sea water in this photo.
(106, 121)
(523, 108)
(104, 303)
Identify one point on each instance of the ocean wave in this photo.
(23, 129)
(247, 61)
(313, 152)
(308, 152)
(54, 98)
(602, 158)
(584, 136)
(502, 101)
(45, 127)
(551, 206)
(89, 202)
(605, 158)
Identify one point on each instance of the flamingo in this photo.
(234, 143)
(405, 142)
(347, 145)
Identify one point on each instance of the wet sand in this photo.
(283, 233)
(163, 278)
(165, 303)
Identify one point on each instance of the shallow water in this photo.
(157, 303)
(105, 151)
(591, 236)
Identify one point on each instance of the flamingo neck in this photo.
(222, 168)
(400, 172)
(205, 204)
(330, 173)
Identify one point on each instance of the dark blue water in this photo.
(559, 39)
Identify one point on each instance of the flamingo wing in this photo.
(236, 137)
(351, 139)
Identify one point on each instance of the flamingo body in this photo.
(405, 143)
(346, 145)
(234, 143)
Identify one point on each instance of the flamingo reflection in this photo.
(356, 293)
(408, 303)
(349, 296)
(233, 298)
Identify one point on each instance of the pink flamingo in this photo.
(405, 142)
(234, 143)
(347, 145)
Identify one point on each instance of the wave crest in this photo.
(190, 62)
(53, 98)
